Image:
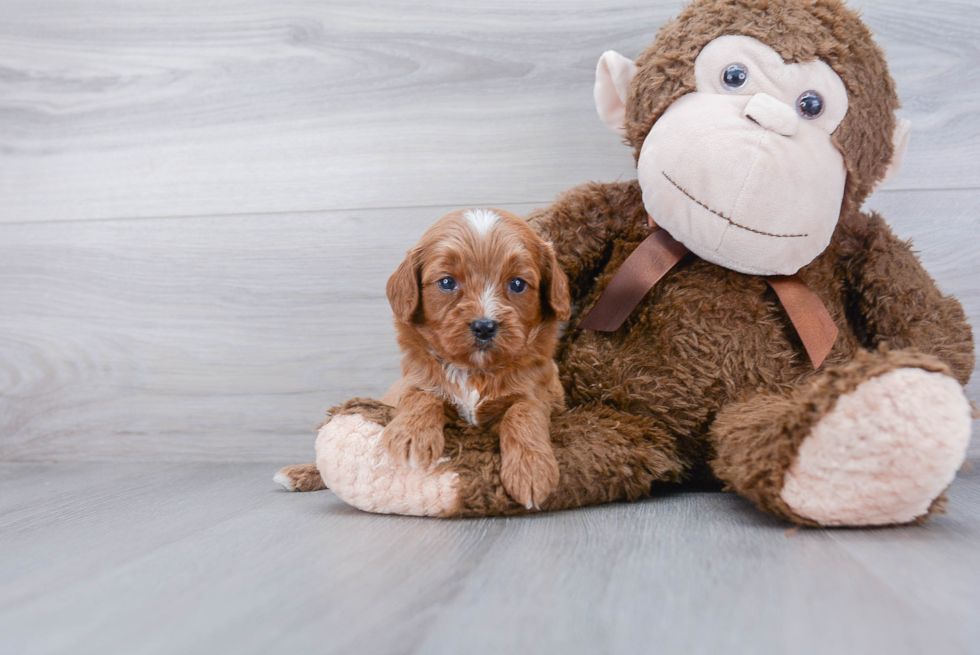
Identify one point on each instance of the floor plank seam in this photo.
(333, 210)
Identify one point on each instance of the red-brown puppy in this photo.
(477, 308)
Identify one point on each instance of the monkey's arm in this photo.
(583, 223)
(899, 303)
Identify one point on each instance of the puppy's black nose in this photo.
(484, 329)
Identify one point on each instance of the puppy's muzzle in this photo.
(484, 330)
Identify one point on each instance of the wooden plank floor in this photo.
(211, 558)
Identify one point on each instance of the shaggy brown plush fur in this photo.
(659, 399)
(707, 378)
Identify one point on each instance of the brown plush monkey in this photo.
(759, 129)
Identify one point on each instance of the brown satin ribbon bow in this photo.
(660, 252)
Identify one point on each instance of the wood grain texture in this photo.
(194, 339)
(227, 338)
(201, 558)
(183, 108)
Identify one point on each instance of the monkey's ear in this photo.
(554, 287)
(613, 75)
(403, 288)
(903, 130)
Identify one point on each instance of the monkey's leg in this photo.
(874, 442)
(603, 455)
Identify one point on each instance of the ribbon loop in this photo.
(651, 260)
(809, 316)
(660, 252)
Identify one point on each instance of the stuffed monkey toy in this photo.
(737, 318)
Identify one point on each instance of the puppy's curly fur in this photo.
(478, 304)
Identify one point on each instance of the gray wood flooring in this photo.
(201, 201)
(209, 558)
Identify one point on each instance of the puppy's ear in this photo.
(403, 287)
(555, 297)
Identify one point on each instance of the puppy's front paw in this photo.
(412, 442)
(529, 476)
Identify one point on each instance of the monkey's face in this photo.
(744, 172)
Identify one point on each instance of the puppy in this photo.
(477, 308)
(477, 305)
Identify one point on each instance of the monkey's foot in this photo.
(351, 456)
(884, 454)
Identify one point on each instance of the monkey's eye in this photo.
(735, 76)
(517, 285)
(810, 105)
(448, 284)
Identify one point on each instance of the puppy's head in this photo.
(480, 289)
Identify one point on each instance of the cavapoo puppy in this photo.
(477, 304)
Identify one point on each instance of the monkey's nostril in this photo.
(484, 329)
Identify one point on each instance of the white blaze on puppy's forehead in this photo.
(481, 220)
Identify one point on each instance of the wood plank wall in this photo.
(200, 201)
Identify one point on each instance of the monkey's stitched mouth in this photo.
(730, 221)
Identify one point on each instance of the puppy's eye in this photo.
(447, 284)
(517, 285)
(735, 76)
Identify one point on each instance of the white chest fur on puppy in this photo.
(751, 200)
(460, 393)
